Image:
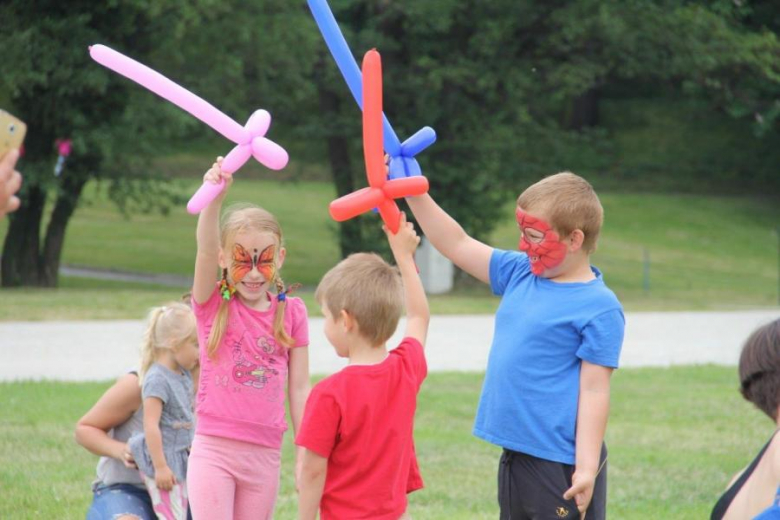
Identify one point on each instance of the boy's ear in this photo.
(577, 237)
(347, 320)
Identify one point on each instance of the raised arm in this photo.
(113, 408)
(207, 258)
(450, 239)
(403, 244)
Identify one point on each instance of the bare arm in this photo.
(592, 414)
(313, 472)
(152, 412)
(298, 388)
(113, 408)
(450, 239)
(207, 234)
(163, 476)
(403, 245)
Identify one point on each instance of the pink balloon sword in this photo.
(250, 139)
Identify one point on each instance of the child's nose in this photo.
(260, 273)
(254, 274)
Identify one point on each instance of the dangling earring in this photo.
(225, 289)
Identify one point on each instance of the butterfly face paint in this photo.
(538, 240)
(244, 262)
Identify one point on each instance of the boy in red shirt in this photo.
(359, 459)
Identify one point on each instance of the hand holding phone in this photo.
(12, 132)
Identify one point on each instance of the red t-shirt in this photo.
(362, 420)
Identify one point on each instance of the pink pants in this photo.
(232, 479)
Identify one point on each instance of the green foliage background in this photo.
(636, 95)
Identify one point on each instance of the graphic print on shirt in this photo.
(253, 373)
(273, 390)
(268, 345)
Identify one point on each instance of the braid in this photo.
(280, 334)
(218, 328)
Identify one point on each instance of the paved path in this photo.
(169, 280)
(100, 350)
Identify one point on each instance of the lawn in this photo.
(703, 252)
(657, 252)
(88, 299)
(675, 438)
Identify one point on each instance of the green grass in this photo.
(705, 252)
(89, 299)
(676, 436)
(84, 299)
(676, 143)
(101, 237)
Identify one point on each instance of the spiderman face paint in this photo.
(244, 261)
(538, 240)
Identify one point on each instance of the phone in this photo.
(12, 132)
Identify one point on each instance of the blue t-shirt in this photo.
(543, 331)
(772, 512)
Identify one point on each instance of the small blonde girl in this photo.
(169, 352)
(253, 337)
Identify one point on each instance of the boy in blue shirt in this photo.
(558, 335)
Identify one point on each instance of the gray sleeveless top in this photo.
(111, 471)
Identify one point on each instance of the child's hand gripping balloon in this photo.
(404, 242)
(216, 175)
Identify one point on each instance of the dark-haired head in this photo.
(759, 369)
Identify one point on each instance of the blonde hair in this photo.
(167, 328)
(238, 219)
(369, 289)
(570, 203)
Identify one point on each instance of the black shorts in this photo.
(530, 488)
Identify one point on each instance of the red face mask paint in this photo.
(543, 246)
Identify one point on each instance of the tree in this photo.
(240, 56)
(513, 88)
(60, 92)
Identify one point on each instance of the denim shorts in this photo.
(112, 501)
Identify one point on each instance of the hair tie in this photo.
(226, 289)
(282, 296)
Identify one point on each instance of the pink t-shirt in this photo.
(241, 391)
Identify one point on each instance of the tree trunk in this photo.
(21, 256)
(66, 204)
(584, 111)
(350, 232)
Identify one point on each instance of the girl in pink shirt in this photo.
(252, 344)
